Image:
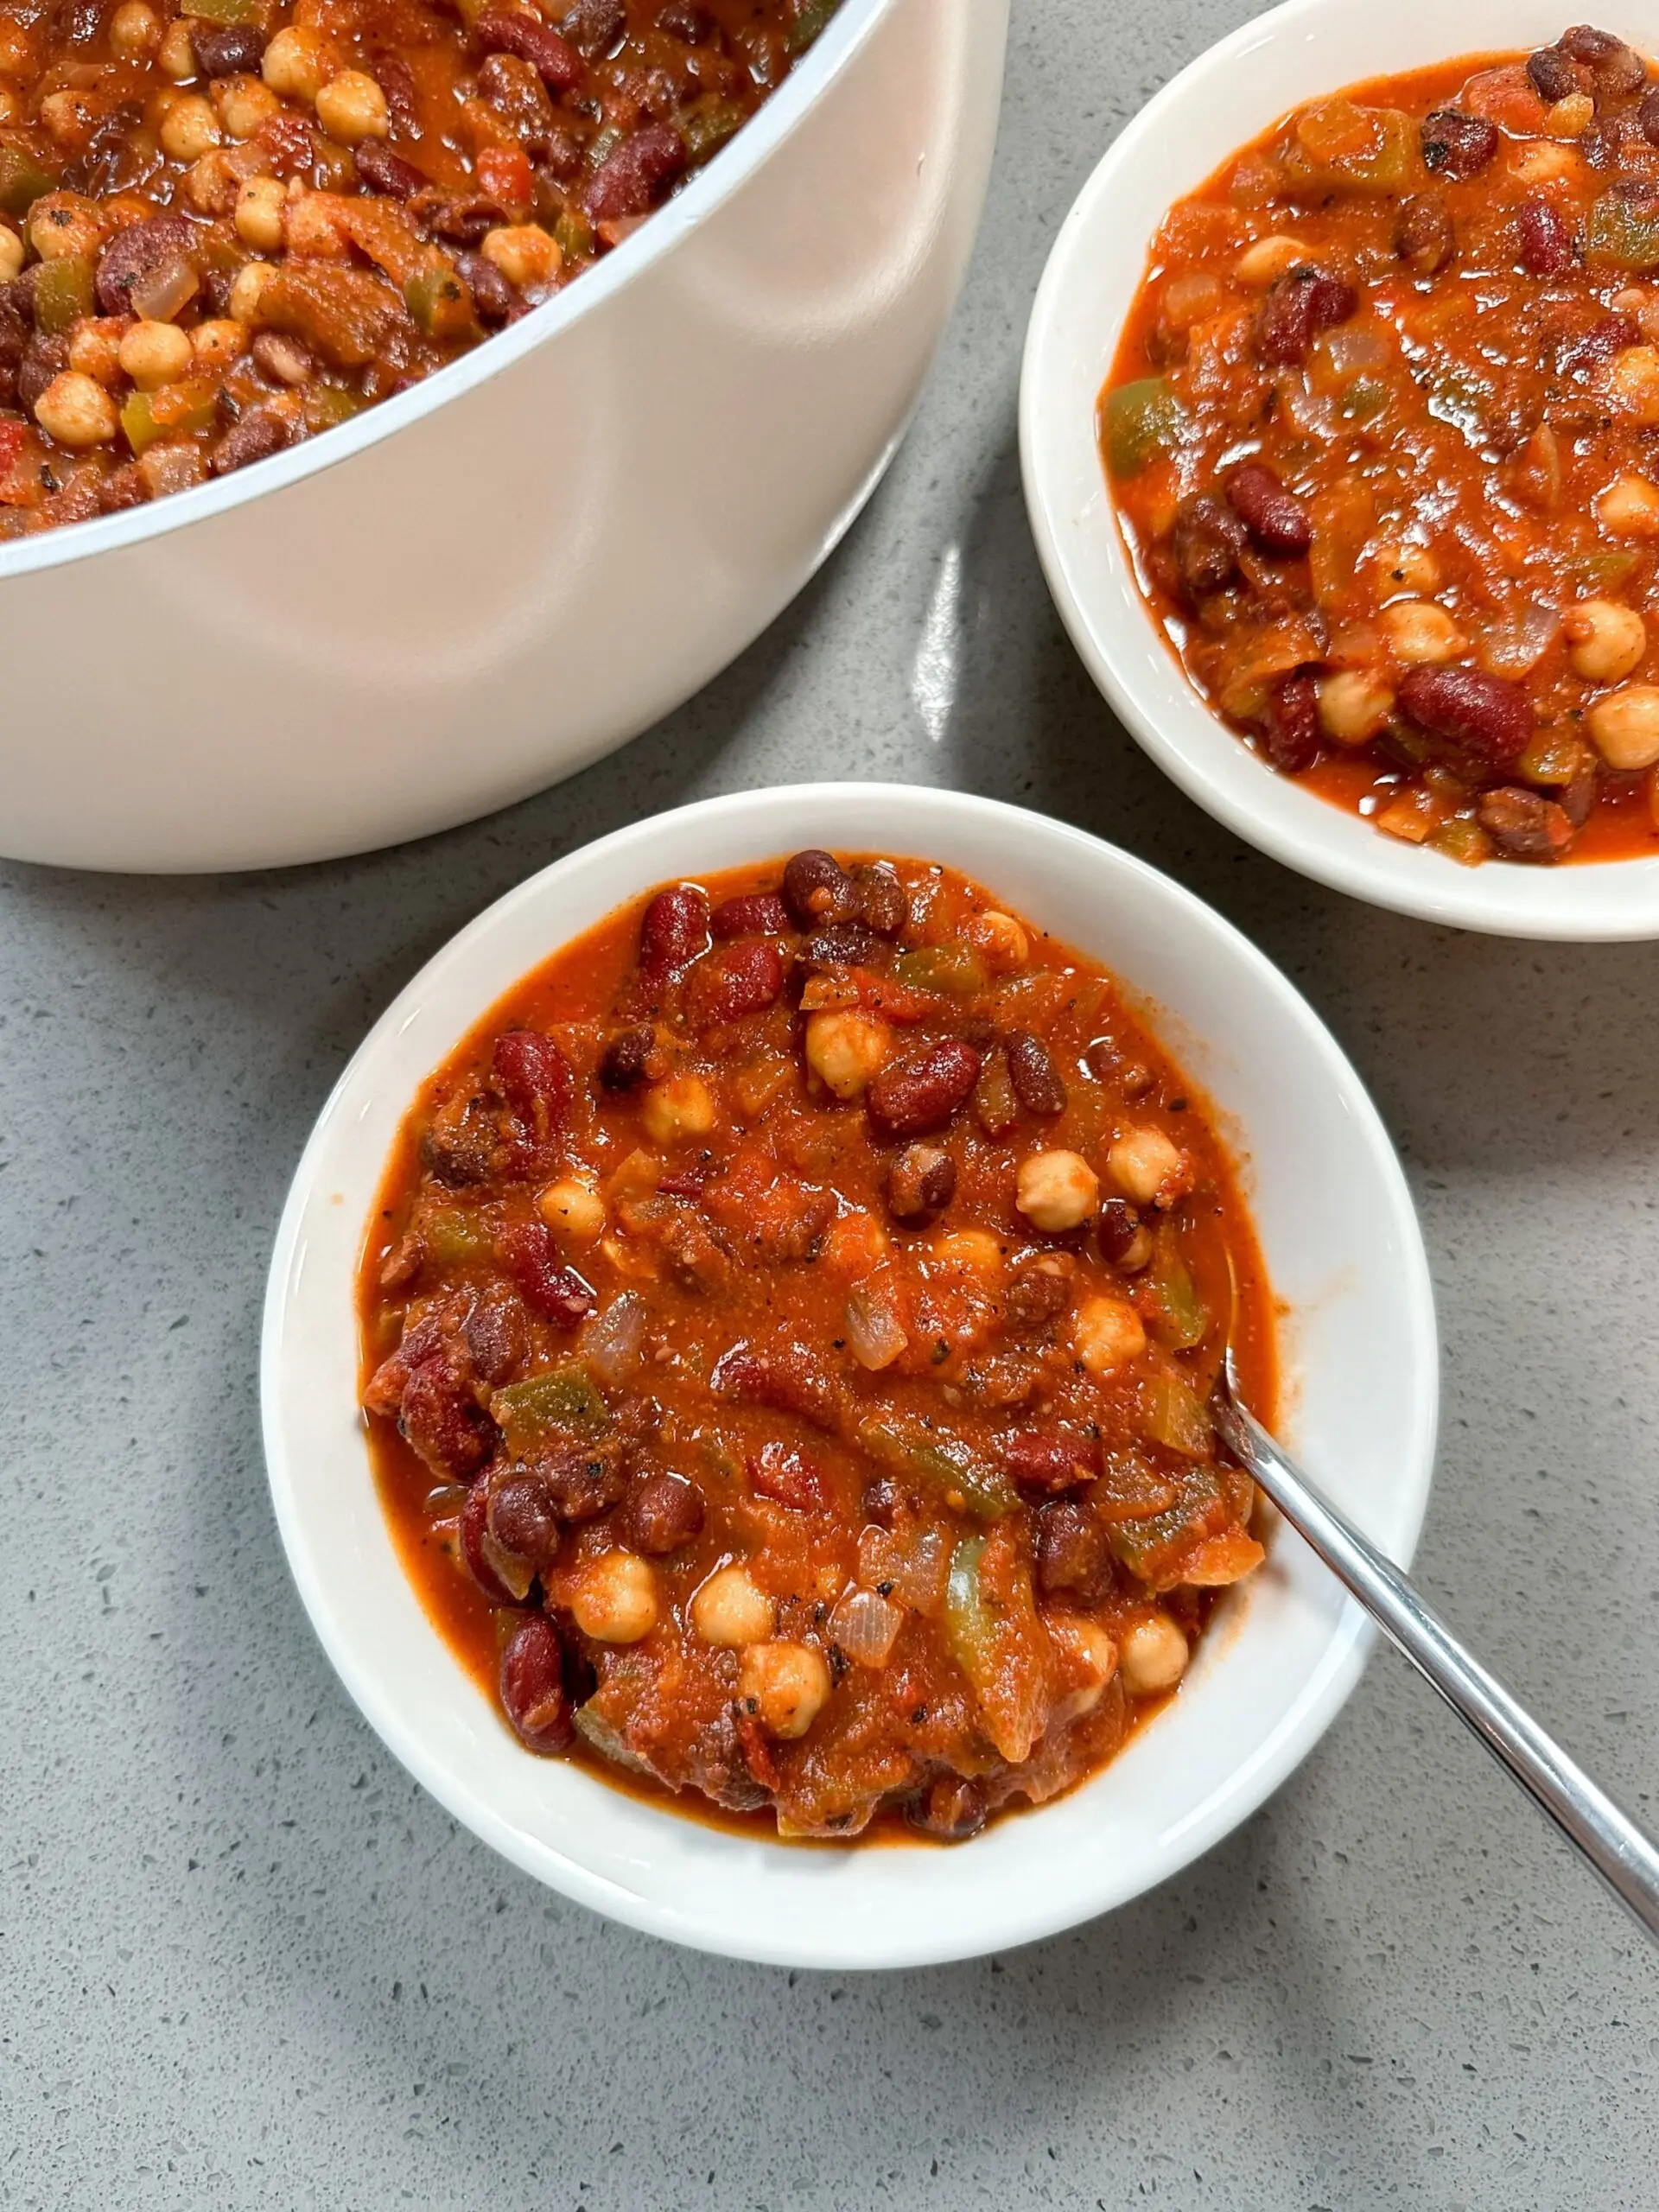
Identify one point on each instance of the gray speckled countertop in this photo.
(244, 1961)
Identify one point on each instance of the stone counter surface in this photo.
(244, 1961)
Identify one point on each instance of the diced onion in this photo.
(866, 1627)
(909, 1565)
(160, 293)
(1516, 645)
(612, 1341)
(873, 1335)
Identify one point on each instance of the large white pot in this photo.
(488, 581)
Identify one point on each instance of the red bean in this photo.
(501, 30)
(1647, 117)
(910, 1097)
(1466, 708)
(1037, 1294)
(520, 1517)
(1546, 239)
(475, 1524)
(789, 1381)
(1206, 542)
(634, 177)
(595, 25)
(843, 945)
(533, 1076)
(1291, 733)
(1047, 1461)
(883, 906)
(1037, 1082)
(1117, 1226)
(673, 932)
(1276, 518)
(757, 913)
(491, 294)
(441, 1422)
(741, 979)
(1296, 308)
(496, 1337)
(952, 1808)
(1524, 824)
(1616, 67)
(626, 1061)
(547, 1286)
(1604, 338)
(660, 1513)
(817, 889)
(921, 1181)
(384, 171)
(261, 432)
(1425, 237)
(137, 252)
(1457, 144)
(532, 1686)
(1554, 78)
(227, 49)
(684, 19)
(585, 1482)
(1073, 1554)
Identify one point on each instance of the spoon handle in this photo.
(1623, 1855)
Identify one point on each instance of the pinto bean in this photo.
(740, 980)
(261, 432)
(659, 1513)
(1276, 520)
(549, 1289)
(532, 1686)
(684, 19)
(817, 889)
(882, 1501)
(496, 1337)
(1291, 731)
(1424, 236)
(1073, 1554)
(1524, 824)
(843, 945)
(1044, 1462)
(1457, 143)
(1206, 542)
(492, 296)
(533, 1077)
(502, 30)
(883, 904)
(1304, 302)
(1554, 78)
(384, 171)
(43, 360)
(1037, 1082)
(910, 1097)
(635, 175)
(673, 932)
(1037, 1294)
(952, 1808)
(1546, 239)
(921, 1181)
(1466, 708)
(758, 913)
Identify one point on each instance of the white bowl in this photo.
(481, 585)
(1342, 1249)
(1219, 103)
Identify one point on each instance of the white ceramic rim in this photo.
(655, 238)
(1012, 1913)
(1609, 901)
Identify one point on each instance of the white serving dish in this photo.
(1218, 103)
(485, 583)
(1343, 1250)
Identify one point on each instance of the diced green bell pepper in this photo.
(175, 411)
(23, 181)
(574, 235)
(1340, 144)
(953, 971)
(562, 1398)
(1461, 840)
(947, 1466)
(1364, 400)
(1173, 1415)
(1622, 233)
(811, 23)
(63, 294)
(1142, 419)
(1181, 1319)
(997, 1646)
(451, 1237)
(707, 129)
(224, 12)
(438, 300)
(1153, 1550)
(328, 405)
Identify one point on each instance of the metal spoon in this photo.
(1623, 1855)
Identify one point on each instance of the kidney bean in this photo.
(521, 1518)
(1524, 824)
(789, 1382)
(227, 49)
(1048, 1461)
(1117, 1226)
(1206, 542)
(474, 1527)
(261, 432)
(584, 1483)
(1546, 239)
(743, 978)
(633, 178)
(501, 30)
(556, 1293)
(786, 1477)
(384, 171)
(1073, 1553)
(1554, 78)
(460, 218)
(1037, 1082)
(121, 488)
(921, 1180)
(1616, 67)
(1457, 143)
(397, 81)
(908, 1097)
(673, 932)
(532, 1686)
(952, 1808)
(1290, 735)
(758, 913)
(137, 252)
(1276, 520)
(817, 889)
(882, 905)
(1647, 117)
(627, 1059)
(497, 1338)
(684, 19)
(441, 1422)
(1424, 237)
(1591, 347)
(1301, 303)
(1037, 1294)
(1466, 708)
(492, 296)
(594, 26)
(533, 1076)
(660, 1513)
(843, 945)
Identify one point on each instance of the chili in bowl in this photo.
(1374, 442)
(745, 1441)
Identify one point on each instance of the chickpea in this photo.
(976, 1249)
(1107, 1334)
(16, 49)
(1633, 384)
(242, 104)
(12, 254)
(1354, 707)
(190, 128)
(615, 1601)
(1154, 1656)
(1419, 631)
(296, 64)
(1629, 508)
(351, 107)
(154, 353)
(250, 281)
(135, 31)
(63, 224)
(175, 55)
(731, 1610)
(258, 217)
(844, 1049)
(1413, 568)
(218, 342)
(524, 252)
(1057, 1190)
(95, 348)
(786, 1684)
(682, 1107)
(572, 1210)
(1269, 259)
(1605, 640)
(211, 184)
(76, 411)
(1002, 940)
(1147, 1166)
(1625, 726)
(1090, 1660)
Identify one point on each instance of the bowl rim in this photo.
(667, 229)
(837, 1942)
(1307, 834)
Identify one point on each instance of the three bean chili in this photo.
(787, 1324)
(229, 225)
(1383, 432)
